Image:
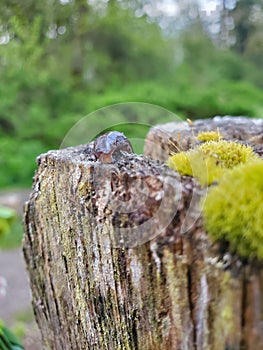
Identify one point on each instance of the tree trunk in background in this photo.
(118, 258)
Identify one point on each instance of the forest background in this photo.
(63, 59)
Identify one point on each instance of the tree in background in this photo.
(245, 22)
(240, 25)
(82, 40)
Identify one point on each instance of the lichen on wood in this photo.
(117, 261)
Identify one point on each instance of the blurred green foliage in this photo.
(8, 340)
(7, 217)
(10, 228)
(13, 238)
(60, 60)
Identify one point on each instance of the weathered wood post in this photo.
(117, 260)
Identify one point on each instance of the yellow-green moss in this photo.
(181, 162)
(233, 210)
(228, 154)
(209, 161)
(206, 136)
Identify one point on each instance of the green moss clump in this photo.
(228, 153)
(209, 161)
(233, 210)
(181, 162)
(206, 136)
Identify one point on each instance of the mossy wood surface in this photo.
(162, 139)
(117, 261)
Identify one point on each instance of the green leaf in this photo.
(8, 341)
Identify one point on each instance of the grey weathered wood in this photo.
(117, 261)
(160, 139)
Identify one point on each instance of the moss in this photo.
(233, 210)
(209, 161)
(181, 162)
(228, 153)
(206, 136)
(223, 312)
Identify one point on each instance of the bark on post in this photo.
(162, 139)
(117, 261)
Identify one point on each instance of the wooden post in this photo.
(117, 261)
